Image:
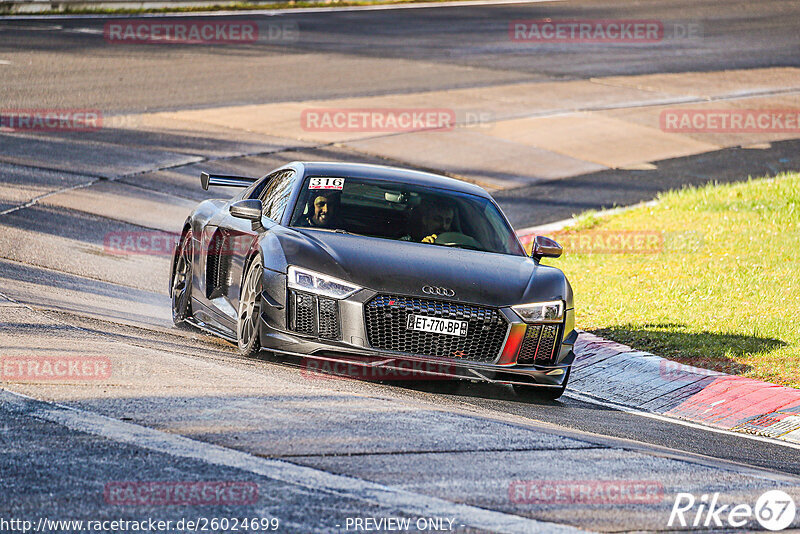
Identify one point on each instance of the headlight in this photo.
(541, 312)
(319, 283)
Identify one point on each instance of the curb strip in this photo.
(641, 380)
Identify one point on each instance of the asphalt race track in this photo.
(318, 453)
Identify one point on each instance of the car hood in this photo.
(402, 267)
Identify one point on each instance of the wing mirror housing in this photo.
(250, 210)
(544, 247)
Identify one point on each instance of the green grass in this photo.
(723, 290)
(239, 6)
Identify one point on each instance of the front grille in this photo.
(313, 315)
(386, 319)
(539, 345)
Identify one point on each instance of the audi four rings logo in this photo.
(441, 291)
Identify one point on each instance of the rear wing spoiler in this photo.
(225, 180)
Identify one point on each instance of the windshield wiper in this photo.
(332, 230)
(460, 245)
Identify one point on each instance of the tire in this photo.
(541, 392)
(247, 327)
(181, 287)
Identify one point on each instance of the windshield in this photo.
(391, 210)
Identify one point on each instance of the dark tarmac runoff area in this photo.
(172, 430)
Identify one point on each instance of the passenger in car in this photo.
(428, 220)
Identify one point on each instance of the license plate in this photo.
(437, 325)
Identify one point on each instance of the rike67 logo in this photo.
(774, 510)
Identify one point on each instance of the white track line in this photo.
(35, 200)
(410, 503)
(284, 11)
(572, 394)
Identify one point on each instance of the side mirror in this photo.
(249, 209)
(544, 247)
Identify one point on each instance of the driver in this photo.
(429, 220)
(322, 209)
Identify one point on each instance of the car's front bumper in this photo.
(352, 351)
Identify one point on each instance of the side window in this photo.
(257, 189)
(276, 195)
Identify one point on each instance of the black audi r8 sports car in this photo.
(376, 267)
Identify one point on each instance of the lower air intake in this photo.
(539, 345)
(314, 316)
